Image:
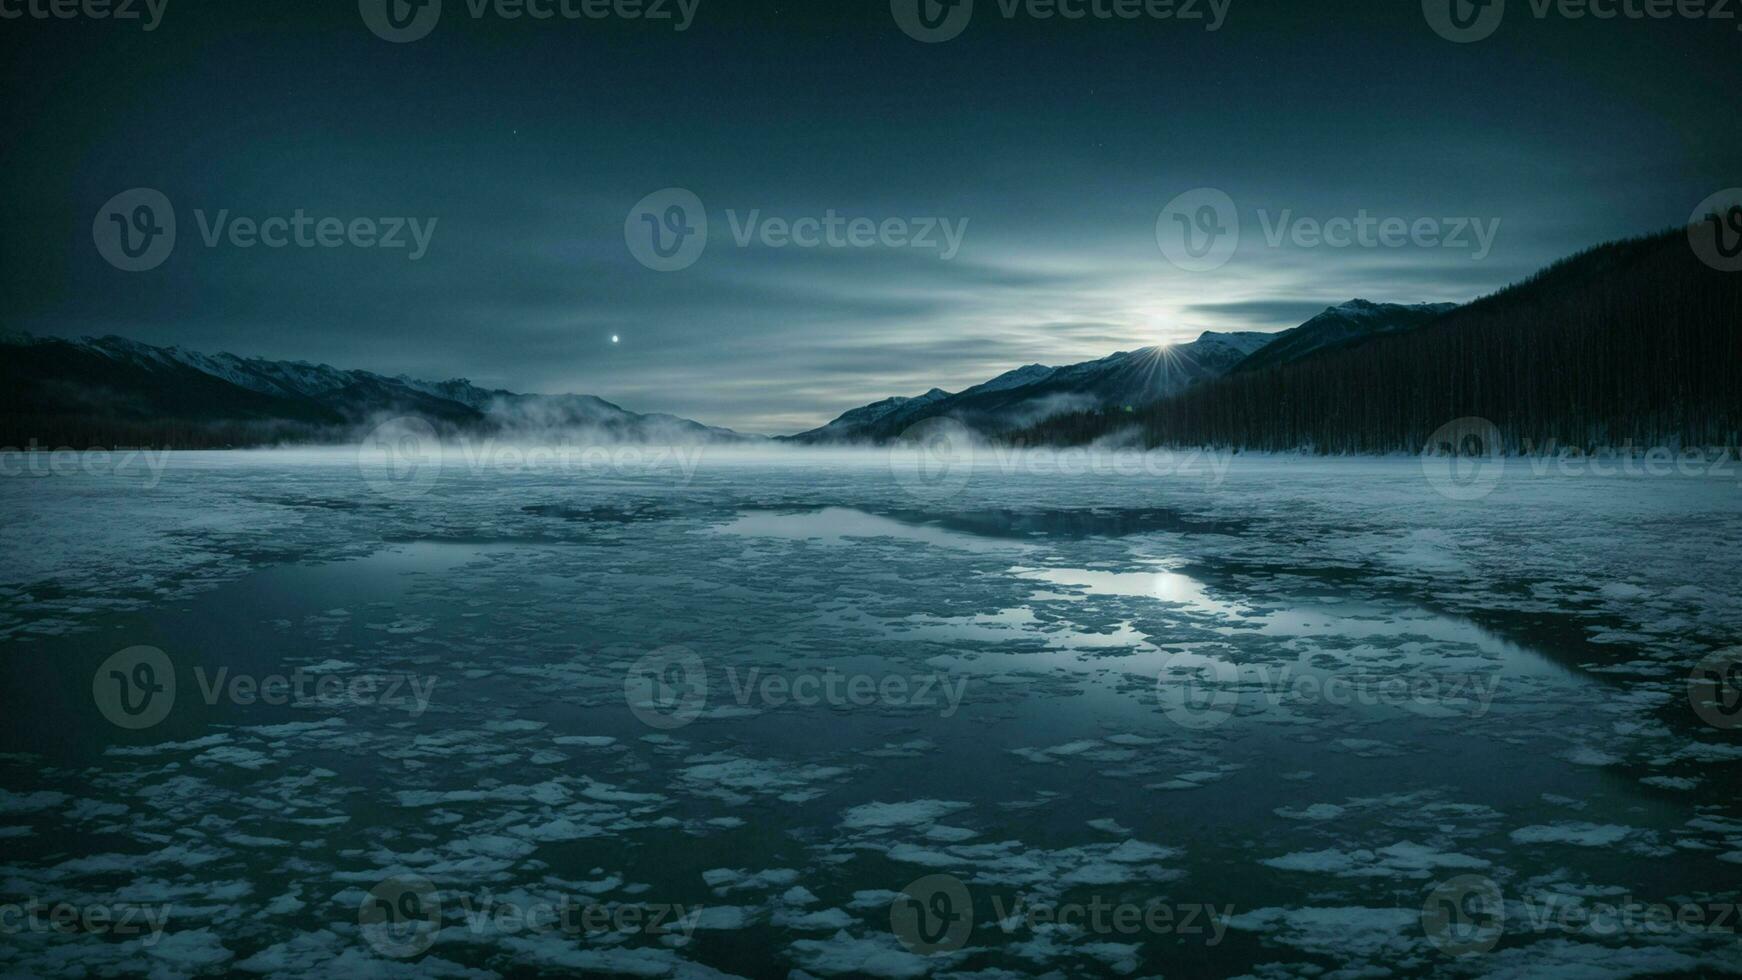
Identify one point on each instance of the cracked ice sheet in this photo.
(1066, 731)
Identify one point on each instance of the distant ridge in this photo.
(113, 391)
(1340, 325)
(1634, 342)
(1030, 394)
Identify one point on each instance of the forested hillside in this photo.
(1630, 343)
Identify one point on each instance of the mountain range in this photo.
(1124, 381)
(1339, 326)
(1634, 341)
(111, 390)
(114, 391)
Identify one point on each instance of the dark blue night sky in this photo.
(1050, 145)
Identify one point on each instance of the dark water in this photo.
(1301, 718)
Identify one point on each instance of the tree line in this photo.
(1635, 343)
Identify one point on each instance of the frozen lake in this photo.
(834, 715)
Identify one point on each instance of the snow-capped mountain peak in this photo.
(302, 400)
(1341, 325)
